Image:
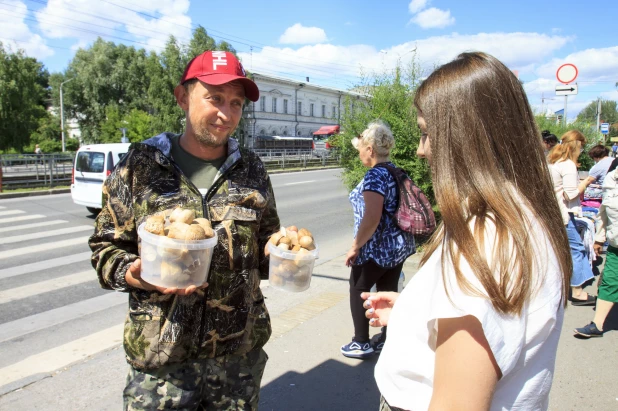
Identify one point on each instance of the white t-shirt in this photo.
(524, 346)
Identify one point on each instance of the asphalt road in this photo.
(60, 334)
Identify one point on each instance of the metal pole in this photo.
(565, 110)
(62, 113)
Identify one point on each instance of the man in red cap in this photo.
(198, 347)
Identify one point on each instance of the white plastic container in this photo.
(291, 271)
(170, 263)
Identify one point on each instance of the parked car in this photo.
(321, 146)
(93, 163)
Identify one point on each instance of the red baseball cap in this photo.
(220, 67)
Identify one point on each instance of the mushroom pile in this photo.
(292, 272)
(179, 265)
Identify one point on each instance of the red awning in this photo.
(327, 130)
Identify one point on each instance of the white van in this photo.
(93, 163)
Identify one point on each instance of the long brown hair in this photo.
(569, 148)
(486, 159)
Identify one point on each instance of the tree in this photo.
(390, 97)
(23, 98)
(609, 113)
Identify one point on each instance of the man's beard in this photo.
(207, 139)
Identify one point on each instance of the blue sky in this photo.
(332, 41)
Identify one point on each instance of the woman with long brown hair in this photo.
(568, 189)
(478, 326)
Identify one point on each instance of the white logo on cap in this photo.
(218, 59)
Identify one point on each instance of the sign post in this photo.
(567, 73)
(604, 130)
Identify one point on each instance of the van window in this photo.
(90, 162)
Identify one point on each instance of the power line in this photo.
(315, 65)
(45, 15)
(26, 42)
(245, 42)
(283, 62)
(89, 31)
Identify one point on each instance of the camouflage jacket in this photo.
(230, 316)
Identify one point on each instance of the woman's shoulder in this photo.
(377, 174)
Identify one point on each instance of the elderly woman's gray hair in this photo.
(379, 136)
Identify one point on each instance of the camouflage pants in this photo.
(230, 383)
(385, 407)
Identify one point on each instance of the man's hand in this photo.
(379, 306)
(134, 279)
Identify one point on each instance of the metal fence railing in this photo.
(32, 170)
(53, 170)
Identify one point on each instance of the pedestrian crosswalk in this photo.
(53, 312)
(47, 284)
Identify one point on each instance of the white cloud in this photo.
(517, 50)
(417, 5)
(328, 62)
(299, 34)
(14, 32)
(592, 65)
(87, 19)
(433, 18)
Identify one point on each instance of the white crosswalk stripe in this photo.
(32, 225)
(43, 234)
(21, 218)
(11, 212)
(43, 247)
(55, 358)
(37, 322)
(44, 265)
(29, 290)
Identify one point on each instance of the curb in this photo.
(35, 193)
(303, 170)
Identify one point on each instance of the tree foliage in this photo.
(390, 98)
(118, 86)
(23, 98)
(609, 114)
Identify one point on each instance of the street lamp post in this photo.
(62, 113)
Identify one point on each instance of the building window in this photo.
(299, 110)
(311, 109)
(274, 104)
(285, 106)
(334, 111)
(323, 110)
(262, 103)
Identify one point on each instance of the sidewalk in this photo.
(306, 370)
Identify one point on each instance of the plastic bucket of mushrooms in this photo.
(176, 250)
(292, 256)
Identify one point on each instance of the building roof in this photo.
(307, 84)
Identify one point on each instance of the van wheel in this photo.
(93, 210)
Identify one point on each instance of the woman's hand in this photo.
(351, 256)
(598, 248)
(379, 306)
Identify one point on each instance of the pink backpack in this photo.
(413, 214)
